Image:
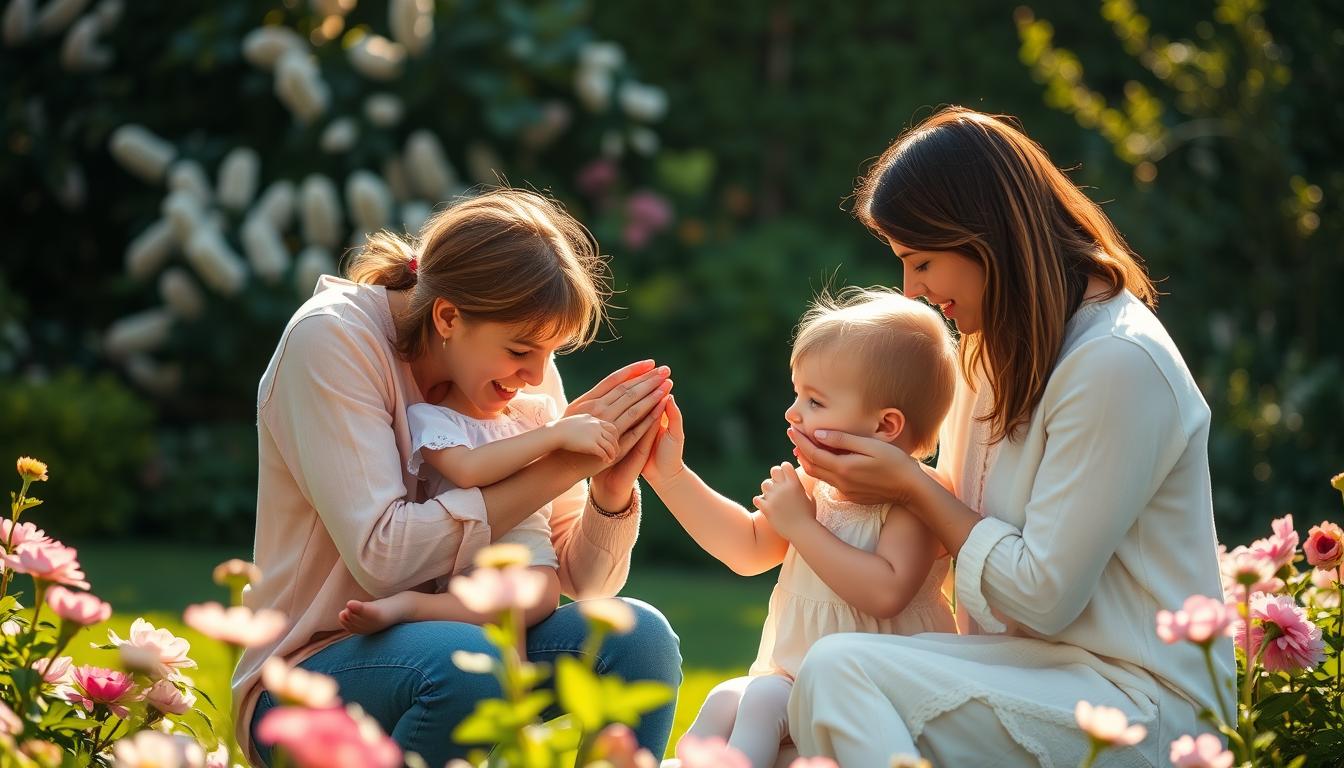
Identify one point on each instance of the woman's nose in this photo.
(532, 377)
(910, 285)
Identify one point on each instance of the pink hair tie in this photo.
(414, 266)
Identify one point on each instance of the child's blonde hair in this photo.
(905, 346)
(506, 256)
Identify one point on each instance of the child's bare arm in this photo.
(744, 541)
(880, 583)
(488, 464)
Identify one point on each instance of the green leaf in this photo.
(488, 724)
(205, 696)
(626, 702)
(1277, 704)
(498, 637)
(530, 708)
(580, 692)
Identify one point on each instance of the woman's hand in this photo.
(632, 398)
(865, 469)
(784, 502)
(666, 461)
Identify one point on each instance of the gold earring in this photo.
(445, 342)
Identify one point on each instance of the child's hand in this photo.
(588, 434)
(784, 502)
(665, 461)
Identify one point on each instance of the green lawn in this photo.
(717, 614)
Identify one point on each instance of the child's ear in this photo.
(446, 317)
(890, 424)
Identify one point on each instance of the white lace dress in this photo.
(803, 609)
(436, 427)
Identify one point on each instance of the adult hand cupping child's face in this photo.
(784, 502)
(865, 469)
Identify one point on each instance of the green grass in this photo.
(717, 615)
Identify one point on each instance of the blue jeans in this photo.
(404, 678)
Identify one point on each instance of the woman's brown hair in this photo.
(976, 185)
(505, 256)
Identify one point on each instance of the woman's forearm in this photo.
(944, 514)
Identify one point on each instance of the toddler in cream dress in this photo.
(871, 363)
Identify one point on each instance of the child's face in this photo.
(491, 361)
(829, 395)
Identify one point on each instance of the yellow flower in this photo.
(503, 556)
(1338, 482)
(31, 469)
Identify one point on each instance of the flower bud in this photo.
(412, 24)
(181, 294)
(432, 177)
(369, 201)
(384, 109)
(266, 252)
(276, 204)
(339, 136)
(57, 15)
(188, 176)
(148, 251)
(264, 46)
(320, 211)
(218, 266)
(238, 178)
(141, 152)
(377, 58)
(313, 262)
(144, 331)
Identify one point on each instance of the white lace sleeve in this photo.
(434, 428)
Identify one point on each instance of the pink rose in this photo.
(1199, 621)
(157, 651)
(1206, 751)
(328, 738)
(712, 752)
(1244, 569)
(236, 625)
(1281, 547)
(96, 685)
(1294, 642)
(48, 561)
(79, 608)
(491, 590)
(166, 697)
(1325, 546)
(1108, 725)
(11, 535)
(55, 671)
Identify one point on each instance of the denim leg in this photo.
(650, 651)
(404, 678)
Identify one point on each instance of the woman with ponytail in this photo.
(474, 308)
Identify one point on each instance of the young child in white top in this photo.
(872, 363)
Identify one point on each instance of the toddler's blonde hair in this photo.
(904, 346)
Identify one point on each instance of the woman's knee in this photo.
(649, 651)
(831, 658)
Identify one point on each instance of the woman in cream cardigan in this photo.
(1072, 484)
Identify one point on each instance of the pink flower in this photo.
(1281, 547)
(491, 590)
(1325, 546)
(1199, 621)
(151, 749)
(22, 533)
(10, 628)
(1206, 751)
(166, 697)
(9, 722)
(55, 671)
(597, 178)
(219, 758)
(47, 561)
(1108, 725)
(616, 746)
(649, 209)
(712, 752)
(328, 738)
(1294, 641)
(1244, 569)
(96, 685)
(1325, 578)
(236, 625)
(79, 608)
(295, 685)
(813, 762)
(161, 653)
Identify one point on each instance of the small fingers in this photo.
(759, 502)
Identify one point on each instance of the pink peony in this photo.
(9, 722)
(1280, 547)
(55, 671)
(1199, 621)
(79, 608)
(1244, 569)
(160, 652)
(491, 590)
(295, 685)
(813, 762)
(597, 178)
(1206, 751)
(166, 697)
(1295, 643)
(48, 561)
(21, 533)
(616, 746)
(328, 738)
(712, 752)
(151, 749)
(96, 685)
(649, 209)
(236, 625)
(1325, 546)
(1108, 725)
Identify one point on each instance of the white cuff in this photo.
(970, 568)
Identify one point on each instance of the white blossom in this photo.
(237, 183)
(56, 15)
(181, 294)
(394, 173)
(647, 103)
(602, 56)
(188, 176)
(414, 215)
(266, 252)
(218, 266)
(300, 87)
(483, 163)
(141, 152)
(80, 51)
(593, 87)
(431, 175)
(377, 58)
(339, 136)
(276, 204)
(313, 262)
(184, 213)
(644, 141)
(143, 331)
(18, 20)
(263, 46)
(150, 249)
(369, 201)
(384, 109)
(412, 24)
(320, 211)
